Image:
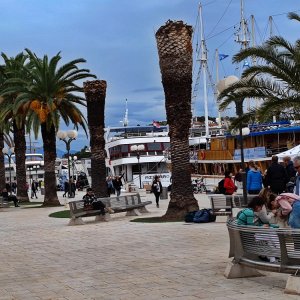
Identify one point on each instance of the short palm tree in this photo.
(95, 93)
(50, 95)
(276, 81)
(175, 60)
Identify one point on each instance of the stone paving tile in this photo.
(121, 260)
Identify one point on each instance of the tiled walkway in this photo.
(43, 258)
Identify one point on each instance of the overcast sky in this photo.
(117, 38)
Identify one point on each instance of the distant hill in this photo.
(59, 153)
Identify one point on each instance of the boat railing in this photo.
(129, 155)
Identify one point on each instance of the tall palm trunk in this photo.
(49, 141)
(2, 165)
(20, 151)
(175, 60)
(95, 92)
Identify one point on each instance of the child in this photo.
(286, 205)
(248, 217)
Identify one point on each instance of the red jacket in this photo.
(229, 186)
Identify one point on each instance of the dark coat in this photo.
(276, 178)
(290, 170)
(156, 187)
(117, 184)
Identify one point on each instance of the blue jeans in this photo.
(118, 193)
(294, 218)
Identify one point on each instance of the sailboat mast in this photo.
(125, 120)
(217, 80)
(244, 41)
(271, 34)
(203, 62)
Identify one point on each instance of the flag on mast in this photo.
(156, 124)
(222, 56)
(246, 64)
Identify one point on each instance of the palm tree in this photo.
(175, 60)
(95, 92)
(276, 80)
(14, 68)
(46, 98)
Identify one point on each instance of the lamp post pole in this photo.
(140, 175)
(137, 149)
(221, 86)
(9, 152)
(72, 160)
(239, 112)
(72, 135)
(30, 169)
(36, 172)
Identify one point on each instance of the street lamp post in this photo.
(36, 167)
(137, 149)
(221, 86)
(9, 152)
(72, 160)
(67, 137)
(30, 169)
(241, 133)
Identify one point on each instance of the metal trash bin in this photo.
(42, 191)
(164, 193)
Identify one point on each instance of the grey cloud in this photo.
(149, 89)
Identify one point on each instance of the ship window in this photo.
(154, 146)
(166, 146)
(124, 148)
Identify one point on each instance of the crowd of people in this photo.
(277, 203)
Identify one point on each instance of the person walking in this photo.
(117, 183)
(33, 190)
(156, 189)
(66, 188)
(254, 179)
(276, 177)
(73, 189)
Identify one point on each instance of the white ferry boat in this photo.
(141, 152)
(34, 163)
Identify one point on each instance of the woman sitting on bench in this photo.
(7, 197)
(92, 203)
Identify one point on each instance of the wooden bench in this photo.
(3, 204)
(131, 204)
(222, 205)
(249, 244)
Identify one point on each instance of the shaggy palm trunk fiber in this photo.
(175, 60)
(20, 151)
(2, 165)
(49, 141)
(95, 93)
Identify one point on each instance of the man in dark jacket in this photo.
(289, 167)
(276, 177)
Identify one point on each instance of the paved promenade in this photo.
(43, 258)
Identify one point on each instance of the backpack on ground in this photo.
(189, 218)
(221, 188)
(204, 216)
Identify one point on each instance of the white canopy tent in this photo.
(291, 152)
